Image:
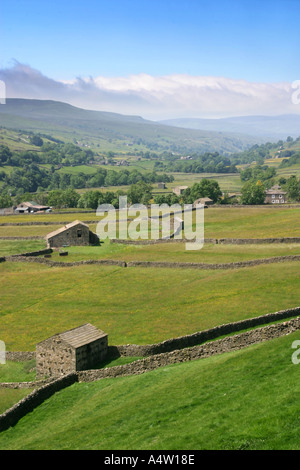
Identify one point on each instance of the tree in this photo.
(253, 193)
(5, 200)
(206, 188)
(293, 188)
(70, 198)
(140, 192)
(36, 140)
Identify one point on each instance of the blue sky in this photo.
(255, 41)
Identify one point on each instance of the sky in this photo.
(157, 58)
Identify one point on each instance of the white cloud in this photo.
(172, 96)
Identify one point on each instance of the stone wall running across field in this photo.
(173, 351)
(34, 399)
(215, 241)
(225, 345)
(150, 264)
(201, 336)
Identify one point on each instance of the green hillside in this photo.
(113, 131)
(246, 399)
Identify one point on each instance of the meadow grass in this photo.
(219, 222)
(9, 397)
(136, 305)
(227, 182)
(242, 400)
(12, 371)
(174, 252)
(14, 247)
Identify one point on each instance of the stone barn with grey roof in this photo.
(76, 233)
(81, 348)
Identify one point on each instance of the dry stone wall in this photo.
(220, 346)
(152, 264)
(34, 399)
(216, 241)
(201, 336)
(48, 387)
(238, 264)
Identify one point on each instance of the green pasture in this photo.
(251, 222)
(227, 182)
(219, 222)
(15, 247)
(136, 305)
(289, 171)
(242, 400)
(13, 371)
(9, 397)
(167, 252)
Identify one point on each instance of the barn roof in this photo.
(65, 227)
(79, 336)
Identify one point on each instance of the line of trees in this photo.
(209, 162)
(33, 178)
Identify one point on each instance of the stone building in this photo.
(178, 190)
(275, 195)
(31, 206)
(74, 234)
(205, 201)
(78, 349)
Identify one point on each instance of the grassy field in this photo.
(14, 247)
(227, 182)
(206, 404)
(17, 371)
(136, 305)
(167, 252)
(243, 400)
(219, 222)
(9, 397)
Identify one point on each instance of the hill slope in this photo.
(268, 127)
(245, 399)
(69, 122)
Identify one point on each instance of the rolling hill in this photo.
(114, 131)
(267, 127)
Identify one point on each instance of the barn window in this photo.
(79, 233)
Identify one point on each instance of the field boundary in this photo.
(200, 337)
(224, 345)
(216, 241)
(151, 264)
(180, 342)
(11, 416)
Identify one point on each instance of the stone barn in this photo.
(76, 233)
(81, 348)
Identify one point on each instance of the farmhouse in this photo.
(178, 190)
(76, 233)
(275, 195)
(206, 201)
(78, 349)
(31, 206)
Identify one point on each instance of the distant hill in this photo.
(111, 131)
(267, 127)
